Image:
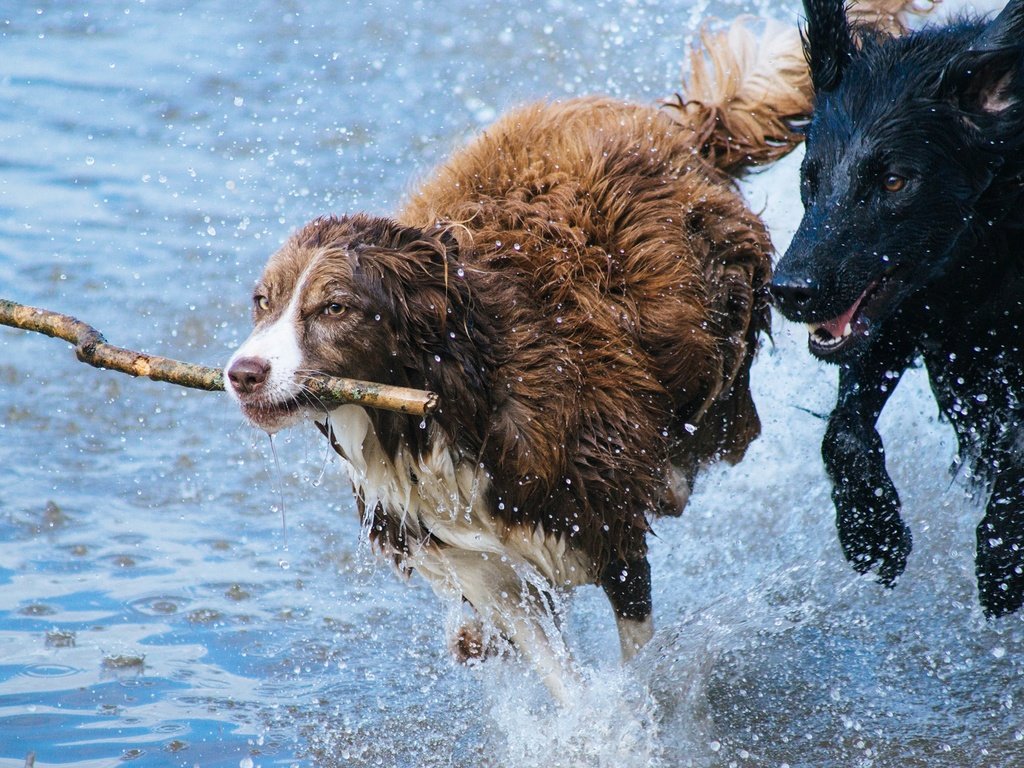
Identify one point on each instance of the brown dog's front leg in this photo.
(627, 583)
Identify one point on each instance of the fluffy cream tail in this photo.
(747, 93)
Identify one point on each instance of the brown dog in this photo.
(583, 287)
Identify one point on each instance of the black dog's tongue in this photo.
(841, 325)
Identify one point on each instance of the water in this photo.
(152, 609)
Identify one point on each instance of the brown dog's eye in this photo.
(334, 309)
(262, 303)
(893, 183)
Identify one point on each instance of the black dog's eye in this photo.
(334, 309)
(893, 182)
(262, 303)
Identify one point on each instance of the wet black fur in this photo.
(942, 109)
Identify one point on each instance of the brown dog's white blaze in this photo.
(262, 375)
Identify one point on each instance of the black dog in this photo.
(912, 246)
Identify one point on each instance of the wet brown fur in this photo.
(578, 285)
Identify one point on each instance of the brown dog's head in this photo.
(343, 297)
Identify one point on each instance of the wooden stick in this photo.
(92, 348)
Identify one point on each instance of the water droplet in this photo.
(90, 160)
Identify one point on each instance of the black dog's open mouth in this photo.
(829, 337)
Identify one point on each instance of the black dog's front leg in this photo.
(867, 506)
(1000, 558)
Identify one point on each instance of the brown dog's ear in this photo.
(401, 238)
(987, 78)
(436, 243)
(411, 275)
(828, 42)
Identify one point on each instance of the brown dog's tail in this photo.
(747, 94)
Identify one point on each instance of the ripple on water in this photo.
(160, 605)
(49, 670)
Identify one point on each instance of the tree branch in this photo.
(92, 348)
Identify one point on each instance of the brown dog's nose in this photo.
(247, 374)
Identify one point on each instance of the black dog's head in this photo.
(905, 140)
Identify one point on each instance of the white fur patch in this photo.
(448, 501)
(506, 572)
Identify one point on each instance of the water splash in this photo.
(611, 721)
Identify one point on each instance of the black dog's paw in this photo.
(883, 543)
(1000, 569)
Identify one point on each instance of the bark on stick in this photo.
(92, 348)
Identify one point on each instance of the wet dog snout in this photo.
(792, 294)
(248, 374)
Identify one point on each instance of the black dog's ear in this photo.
(828, 42)
(1005, 31)
(987, 78)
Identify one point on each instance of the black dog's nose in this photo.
(792, 295)
(247, 374)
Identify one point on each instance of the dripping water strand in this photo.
(280, 489)
(328, 451)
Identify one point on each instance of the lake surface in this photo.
(157, 604)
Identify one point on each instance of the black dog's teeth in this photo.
(824, 339)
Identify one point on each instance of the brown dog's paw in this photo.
(470, 644)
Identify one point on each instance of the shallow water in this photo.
(153, 608)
